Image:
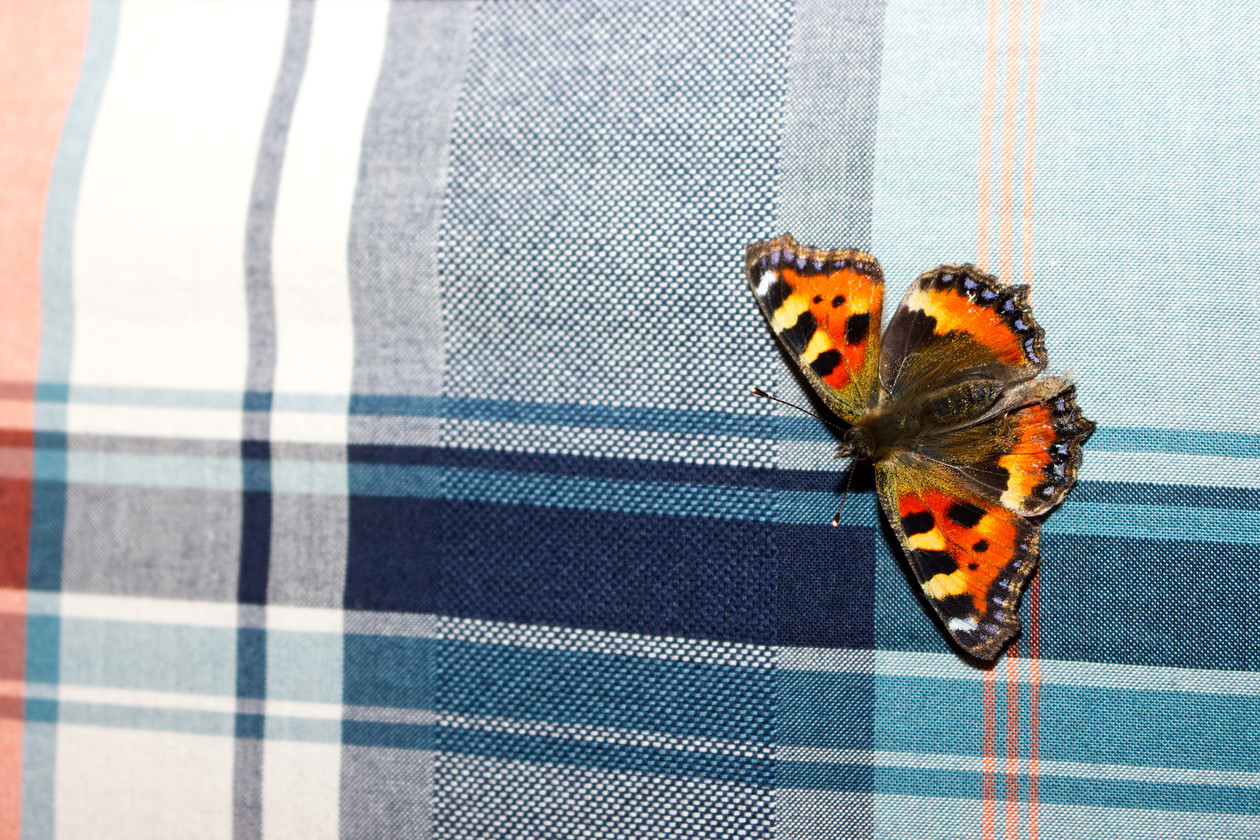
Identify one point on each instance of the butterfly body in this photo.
(970, 444)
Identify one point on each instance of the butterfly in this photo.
(971, 446)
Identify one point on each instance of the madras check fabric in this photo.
(377, 458)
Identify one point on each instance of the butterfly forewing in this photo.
(957, 323)
(824, 307)
(1024, 458)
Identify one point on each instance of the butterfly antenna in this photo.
(760, 393)
(835, 520)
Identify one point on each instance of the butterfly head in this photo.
(856, 444)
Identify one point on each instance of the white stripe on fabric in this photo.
(129, 784)
(976, 764)
(603, 642)
(141, 610)
(301, 786)
(940, 666)
(305, 619)
(735, 450)
(141, 421)
(314, 326)
(606, 735)
(102, 695)
(159, 282)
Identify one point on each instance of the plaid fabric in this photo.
(378, 461)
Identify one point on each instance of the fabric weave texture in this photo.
(377, 458)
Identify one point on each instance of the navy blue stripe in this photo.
(698, 578)
(1167, 495)
(826, 584)
(1112, 599)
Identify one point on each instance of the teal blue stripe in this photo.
(1149, 728)
(1077, 724)
(306, 667)
(281, 728)
(149, 719)
(151, 657)
(676, 421)
(1177, 442)
(1208, 525)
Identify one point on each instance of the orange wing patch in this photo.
(824, 306)
(1026, 459)
(957, 323)
(953, 312)
(971, 555)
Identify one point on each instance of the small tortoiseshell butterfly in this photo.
(970, 447)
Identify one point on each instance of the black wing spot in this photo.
(917, 523)
(936, 563)
(798, 335)
(856, 327)
(825, 363)
(818, 298)
(776, 294)
(965, 514)
(973, 566)
(980, 547)
(837, 301)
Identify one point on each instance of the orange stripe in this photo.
(1012, 741)
(1034, 704)
(1034, 592)
(1010, 107)
(41, 47)
(989, 781)
(989, 774)
(986, 133)
(1030, 130)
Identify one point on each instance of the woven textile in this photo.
(376, 457)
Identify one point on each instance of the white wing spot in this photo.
(767, 280)
(957, 624)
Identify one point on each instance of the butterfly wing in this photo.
(958, 324)
(998, 447)
(825, 308)
(971, 555)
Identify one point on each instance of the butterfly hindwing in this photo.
(1025, 457)
(971, 556)
(957, 323)
(963, 505)
(825, 308)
